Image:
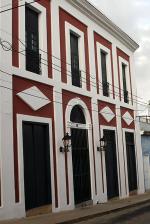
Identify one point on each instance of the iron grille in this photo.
(106, 89)
(76, 78)
(33, 61)
(126, 96)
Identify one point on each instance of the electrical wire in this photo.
(36, 96)
(97, 82)
(116, 93)
(18, 6)
(14, 1)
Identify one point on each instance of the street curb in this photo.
(99, 214)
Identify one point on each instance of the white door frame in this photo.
(42, 120)
(87, 126)
(110, 128)
(125, 156)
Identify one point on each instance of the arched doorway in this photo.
(80, 156)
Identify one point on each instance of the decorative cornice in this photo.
(98, 17)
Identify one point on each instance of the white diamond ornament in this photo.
(107, 113)
(127, 118)
(34, 98)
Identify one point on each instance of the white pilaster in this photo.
(122, 162)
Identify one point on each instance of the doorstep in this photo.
(85, 213)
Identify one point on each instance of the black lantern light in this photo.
(66, 142)
(103, 144)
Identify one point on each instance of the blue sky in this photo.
(133, 16)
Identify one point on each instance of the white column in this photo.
(138, 148)
(6, 35)
(58, 108)
(6, 149)
(123, 171)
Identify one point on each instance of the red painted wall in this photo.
(102, 121)
(66, 17)
(124, 124)
(19, 107)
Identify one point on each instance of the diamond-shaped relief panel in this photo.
(107, 113)
(34, 98)
(127, 118)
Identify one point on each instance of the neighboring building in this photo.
(145, 140)
(70, 69)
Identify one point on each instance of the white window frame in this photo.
(20, 119)
(127, 74)
(100, 48)
(81, 44)
(42, 40)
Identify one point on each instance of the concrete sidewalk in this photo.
(84, 213)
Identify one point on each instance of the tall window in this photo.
(125, 92)
(76, 73)
(32, 41)
(105, 84)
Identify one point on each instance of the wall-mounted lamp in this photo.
(66, 142)
(103, 144)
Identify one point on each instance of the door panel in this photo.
(111, 164)
(81, 165)
(36, 165)
(131, 161)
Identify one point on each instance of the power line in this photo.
(56, 91)
(12, 89)
(18, 6)
(14, 1)
(116, 93)
(97, 82)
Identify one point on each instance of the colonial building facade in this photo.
(65, 68)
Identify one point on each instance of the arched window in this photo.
(77, 115)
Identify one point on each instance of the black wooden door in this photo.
(131, 161)
(81, 165)
(37, 179)
(111, 164)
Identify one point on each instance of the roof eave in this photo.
(93, 13)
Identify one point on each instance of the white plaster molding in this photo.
(20, 119)
(78, 125)
(127, 118)
(42, 36)
(107, 113)
(34, 98)
(81, 51)
(108, 68)
(127, 74)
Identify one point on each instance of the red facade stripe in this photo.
(124, 124)
(98, 38)
(15, 34)
(102, 120)
(66, 17)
